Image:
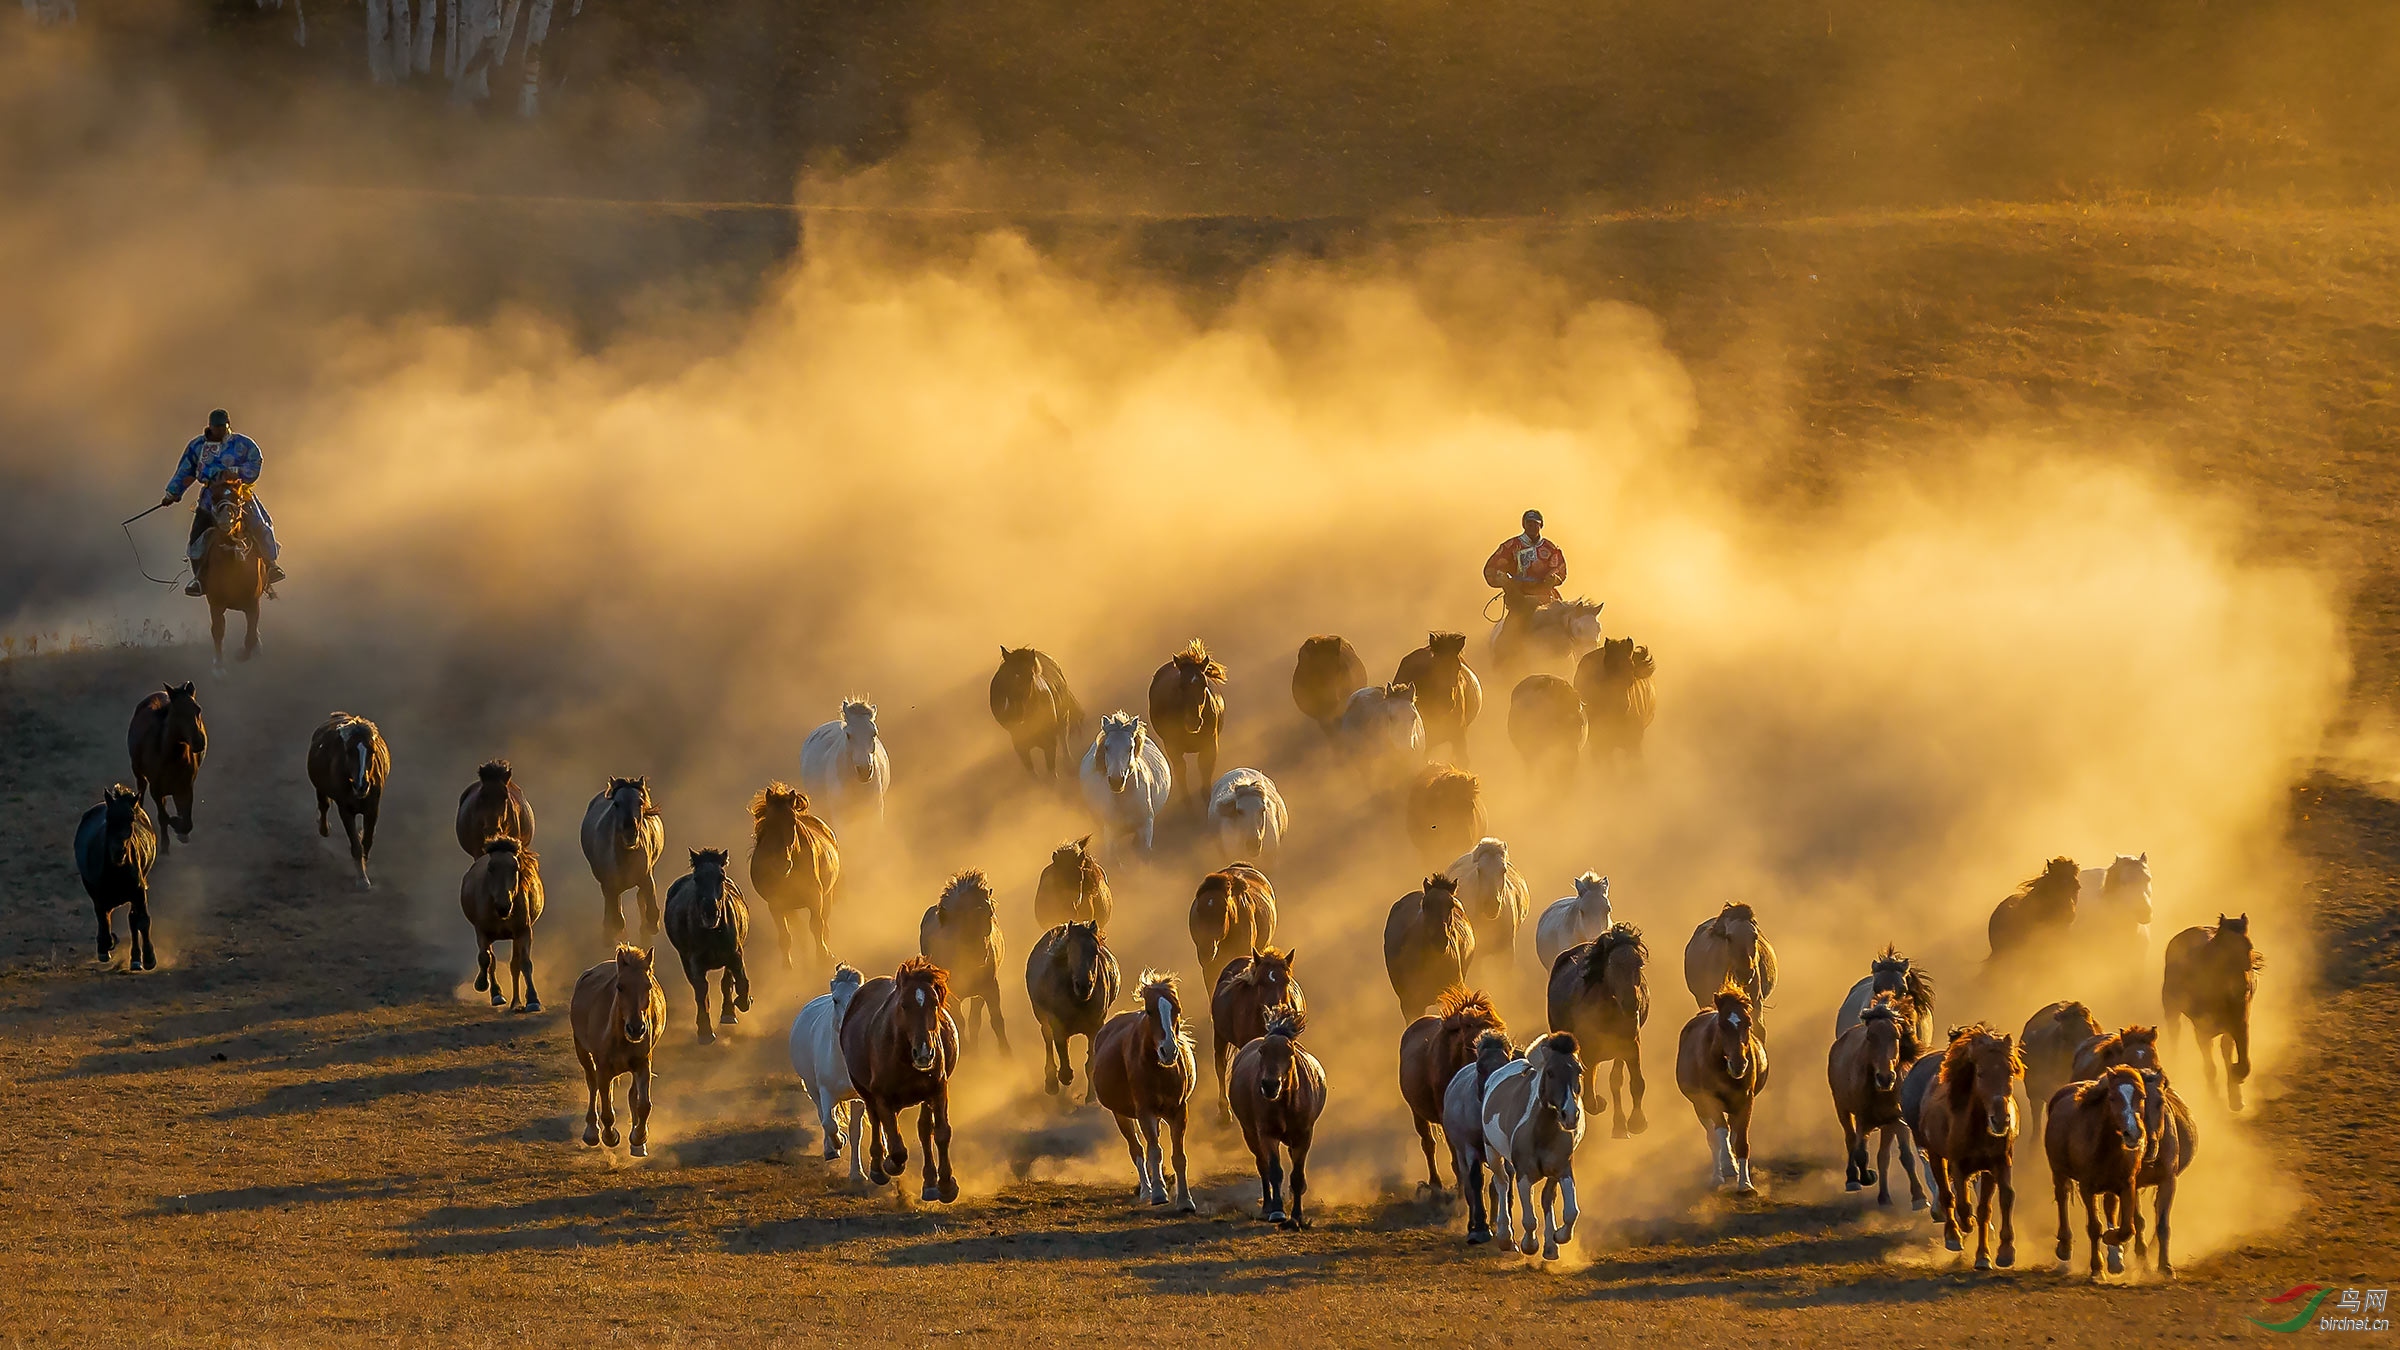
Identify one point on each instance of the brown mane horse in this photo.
(1600, 990)
(1323, 679)
(1187, 715)
(166, 742)
(347, 765)
(1428, 943)
(2173, 1140)
(1445, 813)
(2096, 1140)
(1432, 1051)
(233, 569)
(1032, 703)
(1232, 911)
(618, 1011)
(501, 896)
(960, 933)
(900, 1046)
(1449, 697)
(1143, 1071)
(2212, 974)
(1864, 1069)
(794, 865)
(2052, 1038)
(1613, 682)
(2036, 918)
(1278, 1093)
(622, 839)
(1237, 1007)
(2135, 1046)
(491, 808)
(1073, 888)
(1721, 1066)
(1967, 1130)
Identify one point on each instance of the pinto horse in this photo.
(1532, 1122)
(1237, 1007)
(233, 569)
(1462, 1125)
(1233, 910)
(1721, 1066)
(2095, 1139)
(1032, 703)
(708, 922)
(115, 848)
(166, 742)
(622, 838)
(1071, 978)
(348, 764)
(794, 865)
(900, 1046)
(960, 934)
(1864, 1069)
(1967, 1130)
(1600, 990)
(501, 896)
(1143, 1071)
(1073, 888)
(2212, 974)
(491, 808)
(1278, 1093)
(618, 1011)
(1187, 713)
(1432, 1051)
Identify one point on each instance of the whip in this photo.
(127, 526)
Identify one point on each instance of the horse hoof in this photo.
(1187, 1205)
(2116, 1261)
(1983, 1263)
(497, 1001)
(1549, 1251)
(1620, 1132)
(1950, 1241)
(1476, 1237)
(1050, 1085)
(1916, 1202)
(929, 1194)
(947, 1191)
(533, 1005)
(1853, 1184)
(609, 1136)
(878, 1176)
(2008, 1255)
(640, 1150)
(482, 982)
(1529, 1246)
(707, 1037)
(1640, 1124)
(1866, 1176)
(1272, 1216)
(2165, 1271)
(591, 1136)
(832, 1151)
(745, 1005)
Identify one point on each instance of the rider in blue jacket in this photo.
(213, 454)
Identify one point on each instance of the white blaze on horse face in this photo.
(1166, 1030)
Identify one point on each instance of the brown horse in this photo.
(1730, 949)
(1613, 683)
(348, 764)
(1864, 1069)
(1462, 1126)
(622, 839)
(960, 933)
(1432, 1051)
(1072, 980)
(115, 849)
(2096, 1141)
(1323, 679)
(233, 569)
(900, 1046)
(1967, 1130)
(1032, 703)
(501, 896)
(1237, 1007)
(2034, 921)
(2173, 1141)
(1721, 1066)
(166, 742)
(1445, 813)
(2052, 1036)
(618, 1011)
(1546, 724)
(2135, 1046)
(1143, 1072)
(1428, 943)
(1187, 715)
(1073, 888)
(1600, 990)
(1278, 1093)
(1233, 911)
(794, 865)
(492, 808)
(2212, 974)
(1449, 697)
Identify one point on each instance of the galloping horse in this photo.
(960, 934)
(1890, 973)
(1143, 1071)
(166, 742)
(1427, 945)
(1324, 677)
(622, 839)
(1237, 1007)
(844, 766)
(1721, 1066)
(1074, 887)
(1031, 702)
(1557, 632)
(1600, 990)
(816, 1051)
(491, 808)
(2052, 1036)
(1730, 949)
(1547, 725)
(347, 765)
(1532, 1123)
(1071, 978)
(1967, 1130)
(1278, 1093)
(114, 850)
(2212, 974)
(1125, 779)
(617, 1012)
(1462, 1125)
(1573, 921)
(1864, 1069)
(1187, 714)
(1449, 697)
(1445, 813)
(1432, 1050)
(2095, 1140)
(1613, 683)
(233, 569)
(900, 1046)
(501, 896)
(708, 922)
(1494, 895)
(1250, 816)
(1233, 911)
(794, 865)
(2034, 920)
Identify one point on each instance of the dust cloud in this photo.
(671, 548)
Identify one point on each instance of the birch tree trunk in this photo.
(379, 41)
(537, 31)
(48, 12)
(429, 15)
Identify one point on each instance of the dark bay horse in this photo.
(348, 765)
(1721, 1066)
(114, 851)
(1237, 1007)
(1032, 703)
(709, 924)
(2095, 1140)
(1600, 990)
(2033, 922)
(960, 933)
(1143, 1071)
(1323, 679)
(2173, 1141)
(491, 808)
(1432, 1050)
(1278, 1093)
(1449, 697)
(1462, 1126)
(1073, 888)
(1613, 683)
(233, 569)
(618, 1012)
(622, 839)
(794, 865)
(1187, 715)
(1864, 1069)
(1428, 943)
(501, 896)
(1445, 813)
(166, 742)
(1967, 1130)
(1072, 979)
(2051, 1038)
(900, 1046)
(2212, 974)
(1233, 911)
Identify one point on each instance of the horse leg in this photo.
(1883, 1166)
(647, 890)
(699, 979)
(932, 1188)
(783, 932)
(2006, 1179)
(2237, 1065)
(1566, 1187)
(1183, 1171)
(1854, 1152)
(2166, 1203)
(137, 932)
(521, 959)
(216, 637)
(485, 977)
(2066, 1241)
(1270, 1182)
(878, 1144)
(2207, 1044)
(638, 1097)
(1208, 776)
(1470, 1183)
(2120, 1226)
(1433, 1173)
(1550, 1218)
(855, 1110)
(820, 922)
(1945, 1202)
(1299, 1151)
(1981, 1183)
(1915, 1164)
(741, 978)
(1054, 1055)
(1133, 1149)
(1616, 1099)
(636, 1092)
(249, 633)
(1503, 1218)
(182, 819)
(1633, 1070)
(2091, 1230)
(725, 981)
(1220, 1052)
(370, 813)
(1153, 1163)
(828, 1119)
(1739, 1119)
(1528, 1244)
(591, 1099)
(108, 932)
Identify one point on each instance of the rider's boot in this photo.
(197, 586)
(274, 574)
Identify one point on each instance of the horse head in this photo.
(709, 883)
(777, 804)
(1162, 1001)
(1736, 1021)
(1013, 683)
(2127, 882)
(1591, 900)
(1122, 736)
(1083, 950)
(1278, 1057)
(2122, 1089)
(183, 717)
(859, 738)
(1447, 648)
(1195, 670)
(966, 903)
(124, 808)
(1616, 658)
(1737, 926)
(1270, 971)
(1885, 1031)
(1558, 1078)
(1984, 1064)
(636, 989)
(1579, 619)
(922, 991)
(2154, 1112)
(844, 988)
(628, 802)
(516, 867)
(1440, 899)
(1616, 961)
(493, 773)
(2231, 938)
(358, 757)
(228, 509)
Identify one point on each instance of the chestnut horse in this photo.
(709, 924)
(2135, 1046)
(794, 865)
(492, 808)
(1072, 979)
(960, 933)
(1721, 1066)
(622, 839)
(1449, 697)
(1613, 684)
(2212, 974)
(1073, 888)
(1445, 813)
(1143, 1071)
(1237, 1007)
(1187, 715)
(1278, 1093)
(348, 764)
(115, 848)
(1428, 943)
(2096, 1141)
(900, 1046)
(2173, 1141)
(1462, 1125)
(617, 1012)
(1232, 911)
(1730, 949)
(1532, 1123)
(166, 742)
(1032, 703)
(1967, 1130)
(1600, 990)
(1432, 1051)
(2034, 920)
(1864, 1069)
(233, 569)
(501, 896)
(1323, 679)
(2052, 1037)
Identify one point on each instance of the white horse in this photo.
(817, 1058)
(1381, 726)
(1250, 816)
(2117, 898)
(843, 765)
(1494, 895)
(1573, 921)
(1125, 779)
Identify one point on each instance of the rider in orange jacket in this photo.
(1527, 570)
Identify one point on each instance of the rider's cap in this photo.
(220, 418)
(1534, 516)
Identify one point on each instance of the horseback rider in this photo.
(221, 454)
(1527, 570)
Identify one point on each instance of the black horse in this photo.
(114, 848)
(707, 921)
(1031, 701)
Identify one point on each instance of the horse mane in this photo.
(1494, 1039)
(1194, 656)
(1618, 936)
(921, 972)
(2055, 888)
(1287, 1021)
(1957, 1073)
(967, 883)
(1159, 982)
(1732, 910)
(762, 802)
(1449, 787)
(1901, 1012)
(1443, 882)
(1460, 1007)
(2087, 1093)
(1732, 1000)
(1489, 854)
(1559, 1043)
(846, 974)
(493, 771)
(1400, 689)
(630, 955)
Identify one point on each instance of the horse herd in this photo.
(1510, 1110)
